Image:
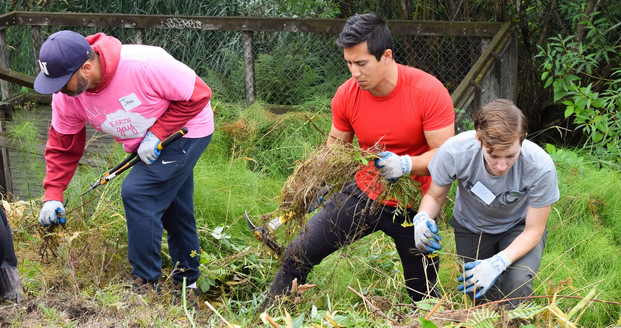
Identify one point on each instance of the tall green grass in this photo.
(584, 237)
(243, 169)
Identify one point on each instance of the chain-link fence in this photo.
(279, 65)
(290, 68)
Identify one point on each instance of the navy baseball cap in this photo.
(60, 56)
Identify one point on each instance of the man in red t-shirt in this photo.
(404, 111)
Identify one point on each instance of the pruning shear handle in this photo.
(131, 160)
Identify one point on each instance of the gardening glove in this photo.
(148, 151)
(481, 275)
(391, 166)
(321, 193)
(52, 213)
(426, 236)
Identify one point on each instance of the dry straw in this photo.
(332, 167)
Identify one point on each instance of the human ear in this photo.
(86, 68)
(387, 55)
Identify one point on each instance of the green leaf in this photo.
(427, 304)
(569, 111)
(559, 89)
(581, 102)
(550, 149)
(424, 323)
(597, 137)
(525, 311)
(298, 322)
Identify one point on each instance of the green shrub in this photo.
(586, 77)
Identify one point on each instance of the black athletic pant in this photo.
(7, 252)
(344, 219)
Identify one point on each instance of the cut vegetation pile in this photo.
(328, 169)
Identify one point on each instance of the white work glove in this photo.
(391, 166)
(52, 213)
(426, 236)
(481, 275)
(148, 151)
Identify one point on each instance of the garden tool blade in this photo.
(262, 234)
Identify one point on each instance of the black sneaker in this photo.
(191, 294)
(142, 287)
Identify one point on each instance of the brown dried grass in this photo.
(332, 167)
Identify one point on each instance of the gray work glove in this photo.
(391, 166)
(52, 213)
(426, 236)
(479, 276)
(148, 150)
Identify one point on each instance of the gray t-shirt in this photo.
(493, 204)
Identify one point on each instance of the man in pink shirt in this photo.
(140, 95)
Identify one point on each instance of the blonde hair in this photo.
(499, 123)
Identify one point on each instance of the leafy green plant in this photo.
(585, 77)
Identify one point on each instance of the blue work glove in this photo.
(148, 151)
(481, 275)
(321, 193)
(426, 236)
(391, 166)
(52, 213)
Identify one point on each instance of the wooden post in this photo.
(249, 68)
(5, 86)
(37, 41)
(511, 67)
(5, 179)
(496, 76)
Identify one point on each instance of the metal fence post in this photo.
(251, 93)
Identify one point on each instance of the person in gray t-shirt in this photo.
(506, 186)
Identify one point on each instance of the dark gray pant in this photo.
(7, 252)
(517, 280)
(344, 219)
(10, 284)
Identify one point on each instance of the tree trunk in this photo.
(546, 23)
(581, 28)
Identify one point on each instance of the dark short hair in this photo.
(499, 124)
(366, 27)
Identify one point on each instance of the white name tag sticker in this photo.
(130, 101)
(485, 194)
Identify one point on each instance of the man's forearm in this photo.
(420, 162)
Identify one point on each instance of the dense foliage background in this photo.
(569, 86)
(569, 78)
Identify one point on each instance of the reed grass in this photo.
(89, 271)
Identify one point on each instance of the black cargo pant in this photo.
(7, 252)
(344, 219)
(10, 285)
